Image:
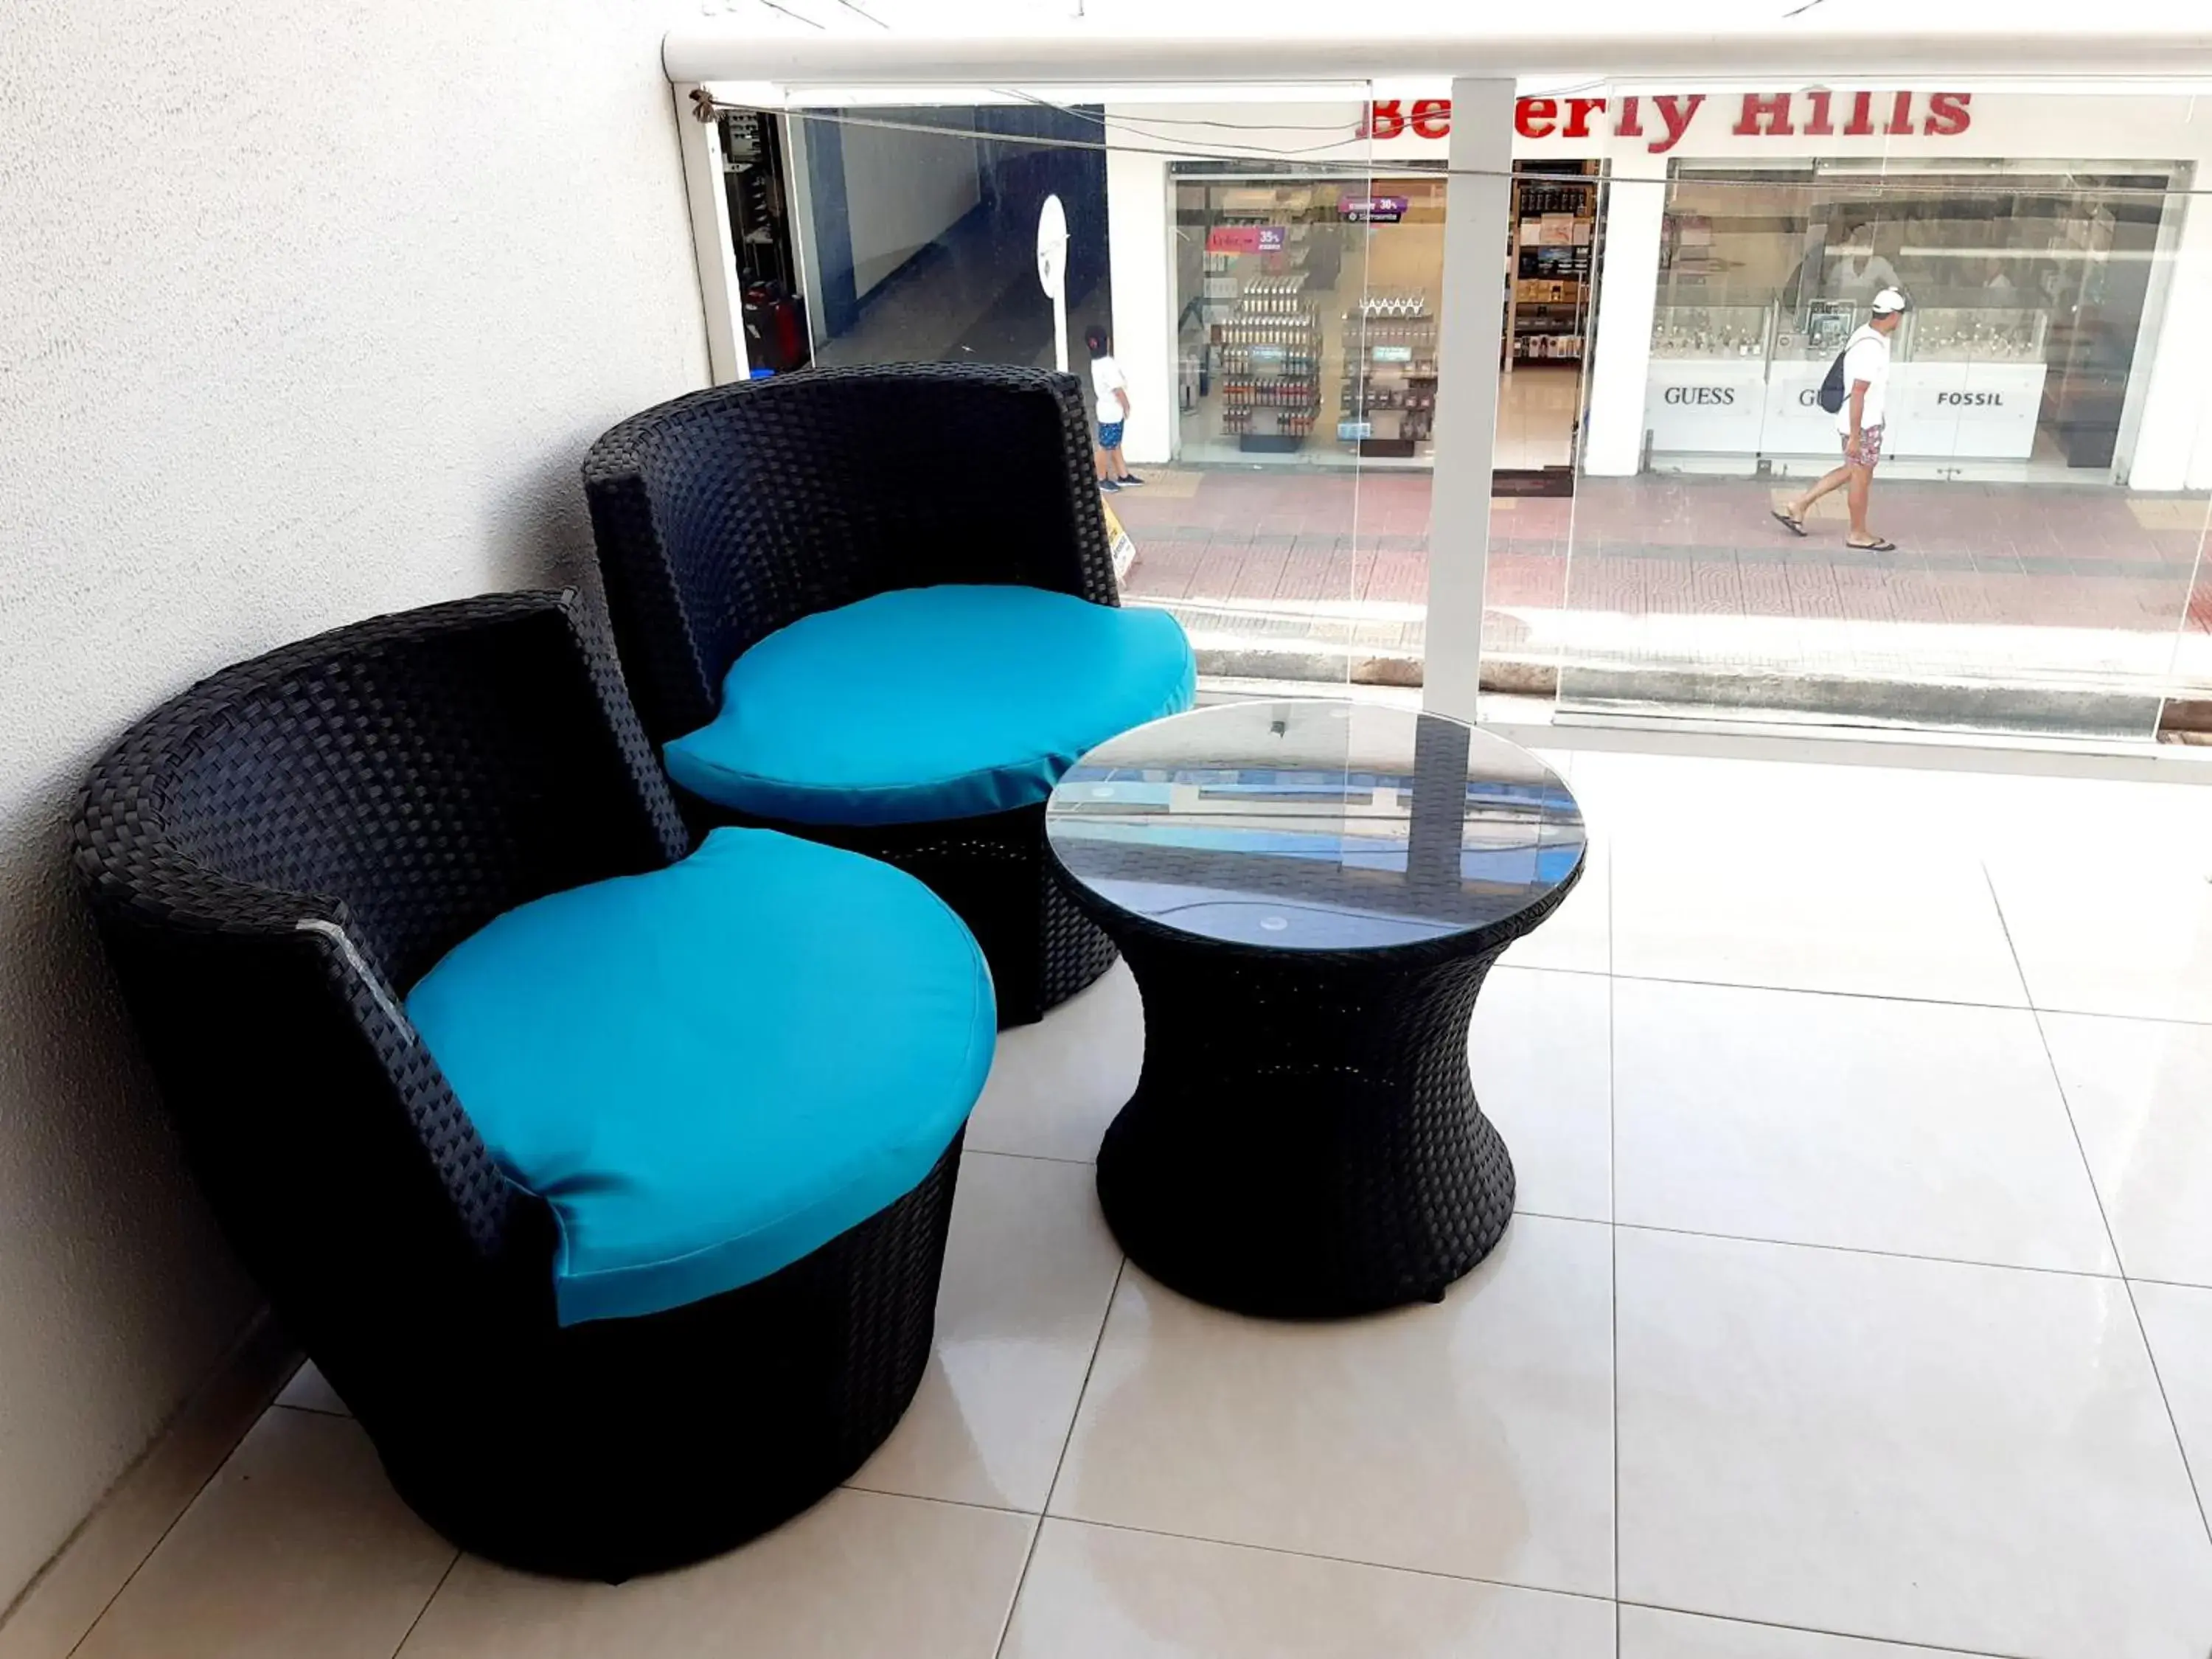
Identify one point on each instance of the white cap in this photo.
(1888, 300)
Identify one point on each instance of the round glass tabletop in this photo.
(1316, 826)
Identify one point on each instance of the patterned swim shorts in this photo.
(1109, 435)
(1869, 450)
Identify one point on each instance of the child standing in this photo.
(1111, 388)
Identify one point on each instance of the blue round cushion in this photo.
(713, 1070)
(930, 703)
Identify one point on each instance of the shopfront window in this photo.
(1235, 298)
(1682, 268)
(1306, 315)
(2029, 313)
(2021, 547)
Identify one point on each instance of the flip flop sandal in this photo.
(1872, 547)
(1789, 521)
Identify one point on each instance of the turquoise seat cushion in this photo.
(931, 703)
(712, 1070)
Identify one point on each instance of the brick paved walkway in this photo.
(2053, 582)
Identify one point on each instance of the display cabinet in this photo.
(1267, 356)
(1977, 334)
(1388, 401)
(1703, 331)
(1707, 387)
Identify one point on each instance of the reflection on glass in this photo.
(1233, 287)
(1280, 289)
(2029, 556)
(1316, 825)
(1305, 312)
(2028, 296)
(918, 230)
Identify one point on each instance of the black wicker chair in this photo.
(273, 858)
(724, 516)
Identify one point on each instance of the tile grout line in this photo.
(1847, 1250)
(2028, 1002)
(1815, 1630)
(1830, 991)
(1033, 1157)
(925, 1498)
(1361, 1561)
(2112, 1238)
(423, 1611)
(1611, 1224)
(175, 1521)
(1036, 1532)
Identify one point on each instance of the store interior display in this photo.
(2026, 304)
(1553, 243)
(2029, 310)
(1943, 335)
(1306, 316)
(1388, 402)
(1680, 331)
(1268, 380)
(1820, 329)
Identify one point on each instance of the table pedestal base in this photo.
(1304, 1139)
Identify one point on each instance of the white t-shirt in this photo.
(1106, 380)
(1865, 358)
(1860, 280)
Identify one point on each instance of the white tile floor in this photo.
(1842, 1100)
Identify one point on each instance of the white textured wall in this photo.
(307, 311)
(903, 191)
(1140, 258)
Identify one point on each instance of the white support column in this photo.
(1477, 215)
(2173, 442)
(1627, 294)
(1140, 264)
(710, 239)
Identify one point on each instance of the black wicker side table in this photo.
(1309, 894)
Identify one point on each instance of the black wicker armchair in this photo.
(274, 859)
(728, 516)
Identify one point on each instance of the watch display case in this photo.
(1962, 334)
(1818, 331)
(1700, 330)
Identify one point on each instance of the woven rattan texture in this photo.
(1304, 1141)
(726, 514)
(313, 829)
(273, 858)
(731, 512)
(628, 1446)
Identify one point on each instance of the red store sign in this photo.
(1665, 120)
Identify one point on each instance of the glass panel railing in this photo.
(1683, 266)
(1245, 302)
(2017, 548)
(1554, 243)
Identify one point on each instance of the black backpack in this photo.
(1831, 389)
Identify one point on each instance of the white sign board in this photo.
(1937, 410)
(1052, 273)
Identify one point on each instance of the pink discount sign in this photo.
(1246, 239)
(1373, 209)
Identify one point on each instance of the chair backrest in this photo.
(728, 513)
(275, 855)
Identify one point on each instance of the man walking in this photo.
(1859, 421)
